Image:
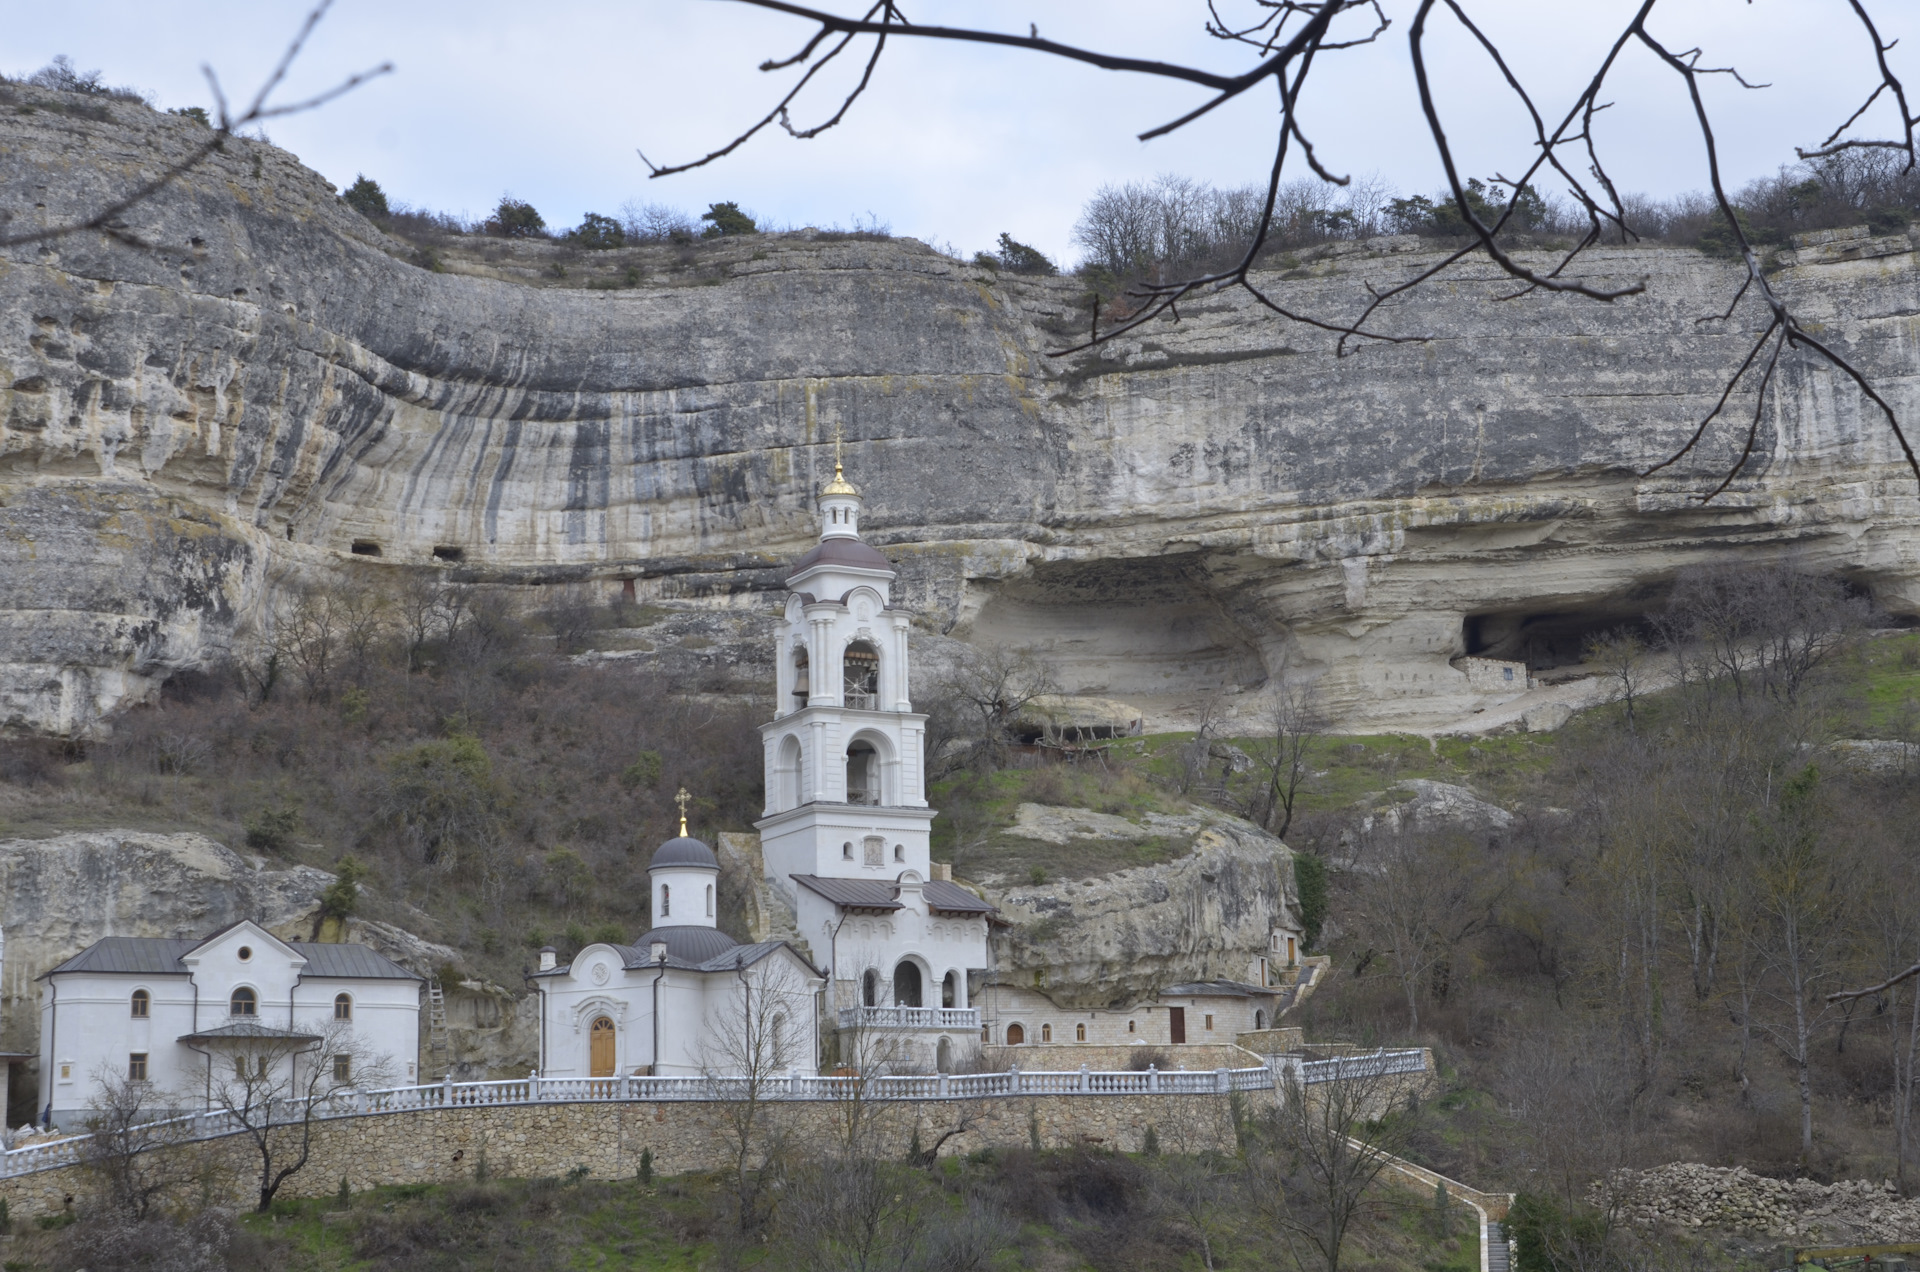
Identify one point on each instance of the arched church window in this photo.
(863, 774)
(779, 1040)
(1079, 1033)
(1046, 1033)
(862, 676)
(846, 851)
(899, 852)
(870, 989)
(343, 1007)
(243, 1003)
(666, 900)
(802, 688)
(949, 987)
(709, 900)
(142, 1003)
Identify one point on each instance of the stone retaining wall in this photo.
(607, 1139)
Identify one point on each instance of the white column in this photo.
(814, 761)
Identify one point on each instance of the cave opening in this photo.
(1547, 640)
(446, 553)
(365, 547)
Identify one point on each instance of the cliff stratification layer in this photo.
(248, 380)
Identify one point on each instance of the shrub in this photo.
(273, 830)
(514, 219)
(61, 76)
(644, 771)
(1310, 882)
(367, 198)
(197, 114)
(727, 220)
(597, 233)
(343, 894)
(1021, 259)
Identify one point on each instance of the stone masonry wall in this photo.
(534, 1140)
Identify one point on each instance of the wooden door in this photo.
(1176, 1024)
(1016, 1036)
(602, 1035)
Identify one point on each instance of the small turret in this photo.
(683, 875)
(839, 505)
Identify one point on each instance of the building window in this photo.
(343, 1007)
(246, 953)
(1016, 1036)
(343, 1068)
(1079, 1033)
(870, 989)
(861, 684)
(137, 1067)
(66, 1070)
(709, 900)
(846, 851)
(243, 1003)
(142, 1003)
(1046, 1033)
(1259, 1020)
(1129, 1026)
(666, 900)
(1506, 673)
(1209, 1024)
(899, 852)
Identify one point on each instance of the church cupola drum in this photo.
(846, 835)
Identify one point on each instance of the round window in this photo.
(246, 952)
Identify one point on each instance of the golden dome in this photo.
(839, 485)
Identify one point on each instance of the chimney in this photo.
(548, 957)
(943, 870)
(659, 951)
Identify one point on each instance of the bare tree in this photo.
(136, 1150)
(1313, 1158)
(1762, 628)
(276, 1084)
(1420, 899)
(1622, 656)
(1288, 39)
(993, 687)
(1294, 723)
(754, 1039)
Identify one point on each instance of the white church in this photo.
(845, 840)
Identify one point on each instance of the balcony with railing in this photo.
(910, 1018)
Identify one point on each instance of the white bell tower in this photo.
(846, 790)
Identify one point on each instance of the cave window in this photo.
(861, 680)
(441, 553)
(365, 547)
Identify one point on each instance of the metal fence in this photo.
(788, 1086)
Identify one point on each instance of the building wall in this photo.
(698, 1012)
(520, 1141)
(1209, 1019)
(87, 1026)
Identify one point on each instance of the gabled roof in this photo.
(160, 956)
(693, 949)
(247, 1031)
(884, 894)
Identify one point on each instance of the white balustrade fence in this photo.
(790, 1086)
(966, 1018)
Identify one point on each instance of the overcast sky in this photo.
(952, 144)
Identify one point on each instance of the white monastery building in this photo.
(178, 1014)
(685, 998)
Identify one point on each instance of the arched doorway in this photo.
(949, 990)
(1015, 1035)
(906, 985)
(870, 989)
(601, 1051)
(943, 1058)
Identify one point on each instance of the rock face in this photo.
(1115, 939)
(271, 382)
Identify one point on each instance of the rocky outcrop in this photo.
(1689, 1195)
(249, 382)
(1117, 938)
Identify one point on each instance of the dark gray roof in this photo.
(160, 956)
(684, 851)
(247, 1031)
(1222, 989)
(686, 944)
(884, 894)
(843, 552)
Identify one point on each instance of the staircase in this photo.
(439, 1044)
(1494, 1256)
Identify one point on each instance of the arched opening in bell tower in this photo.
(862, 677)
(802, 689)
(863, 773)
(906, 984)
(786, 775)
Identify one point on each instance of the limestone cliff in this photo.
(270, 381)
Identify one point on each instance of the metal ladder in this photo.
(439, 1044)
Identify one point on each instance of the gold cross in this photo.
(839, 432)
(681, 799)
